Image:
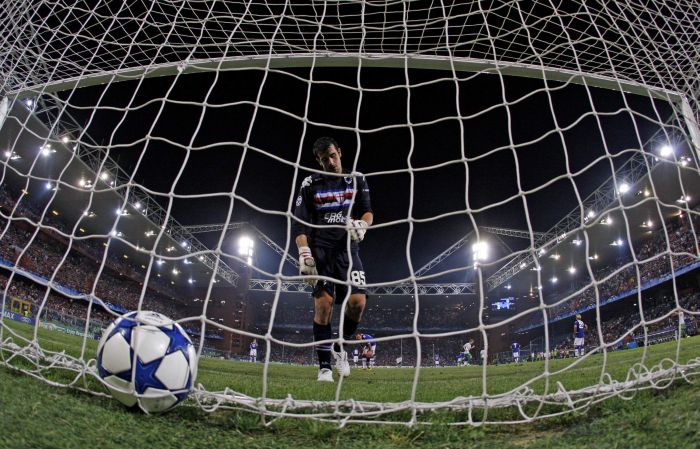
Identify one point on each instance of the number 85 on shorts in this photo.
(357, 277)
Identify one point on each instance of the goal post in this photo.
(560, 140)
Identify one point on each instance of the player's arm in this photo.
(362, 207)
(307, 264)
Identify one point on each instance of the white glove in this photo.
(307, 265)
(357, 230)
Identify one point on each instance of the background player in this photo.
(369, 350)
(467, 357)
(579, 328)
(515, 348)
(355, 356)
(339, 204)
(253, 354)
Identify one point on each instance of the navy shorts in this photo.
(334, 263)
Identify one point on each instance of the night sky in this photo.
(489, 135)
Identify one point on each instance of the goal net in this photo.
(533, 169)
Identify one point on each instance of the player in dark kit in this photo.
(337, 205)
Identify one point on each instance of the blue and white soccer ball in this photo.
(165, 361)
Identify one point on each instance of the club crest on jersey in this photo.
(348, 179)
(334, 217)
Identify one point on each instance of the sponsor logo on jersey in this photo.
(335, 217)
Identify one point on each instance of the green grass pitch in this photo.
(34, 414)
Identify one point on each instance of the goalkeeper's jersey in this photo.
(328, 200)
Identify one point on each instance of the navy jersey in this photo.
(328, 200)
(515, 347)
(253, 346)
(578, 328)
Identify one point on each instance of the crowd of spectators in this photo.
(73, 269)
(654, 255)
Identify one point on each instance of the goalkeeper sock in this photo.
(323, 351)
(349, 328)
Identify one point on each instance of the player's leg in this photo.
(323, 309)
(354, 307)
(357, 300)
(577, 346)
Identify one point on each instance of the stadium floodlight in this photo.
(666, 151)
(624, 188)
(46, 150)
(577, 241)
(160, 261)
(65, 139)
(29, 102)
(245, 248)
(175, 271)
(554, 280)
(104, 176)
(480, 251)
(572, 269)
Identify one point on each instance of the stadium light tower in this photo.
(245, 248)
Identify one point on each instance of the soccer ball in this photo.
(164, 361)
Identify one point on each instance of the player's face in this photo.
(330, 160)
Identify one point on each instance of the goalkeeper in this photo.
(331, 207)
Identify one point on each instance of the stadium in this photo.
(525, 170)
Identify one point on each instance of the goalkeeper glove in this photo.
(358, 229)
(307, 265)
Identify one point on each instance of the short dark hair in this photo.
(322, 144)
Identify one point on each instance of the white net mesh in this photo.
(139, 139)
